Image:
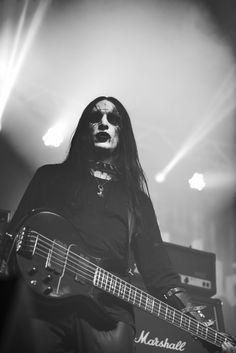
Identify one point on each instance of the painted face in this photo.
(105, 125)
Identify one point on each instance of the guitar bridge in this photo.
(26, 242)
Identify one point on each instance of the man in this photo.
(101, 189)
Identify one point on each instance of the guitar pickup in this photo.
(82, 268)
(56, 257)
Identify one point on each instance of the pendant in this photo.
(100, 190)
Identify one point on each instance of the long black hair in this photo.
(127, 160)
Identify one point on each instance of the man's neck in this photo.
(104, 155)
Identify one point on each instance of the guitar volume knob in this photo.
(48, 279)
(48, 290)
(32, 271)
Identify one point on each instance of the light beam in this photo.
(218, 110)
(18, 55)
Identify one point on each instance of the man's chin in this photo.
(104, 146)
(103, 150)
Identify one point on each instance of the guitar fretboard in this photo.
(137, 297)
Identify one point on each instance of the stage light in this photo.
(160, 177)
(197, 182)
(55, 135)
(18, 50)
(221, 107)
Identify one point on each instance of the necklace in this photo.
(101, 187)
(104, 167)
(101, 179)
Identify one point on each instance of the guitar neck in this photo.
(137, 297)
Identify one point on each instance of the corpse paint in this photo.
(105, 134)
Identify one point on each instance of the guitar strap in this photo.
(130, 257)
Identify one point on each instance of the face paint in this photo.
(112, 118)
(105, 125)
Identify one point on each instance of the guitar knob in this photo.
(32, 271)
(47, 279)
(48, 290)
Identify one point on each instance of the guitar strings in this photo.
(88, 272)
(63, 253)
(61, 262)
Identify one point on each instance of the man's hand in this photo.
(227, 347)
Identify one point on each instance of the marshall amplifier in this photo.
(154, 335)
(195, 267)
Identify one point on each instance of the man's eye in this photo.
(95, 117)
(113, 119)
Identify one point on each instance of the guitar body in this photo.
(43, 261)
(57, 270)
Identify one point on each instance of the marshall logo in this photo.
(145, 339)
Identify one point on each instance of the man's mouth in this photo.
(102, 137)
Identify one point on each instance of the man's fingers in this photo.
(227, 347)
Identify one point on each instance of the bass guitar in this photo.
(56, 268)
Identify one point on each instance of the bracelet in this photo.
(173, 291)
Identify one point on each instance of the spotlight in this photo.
(197, 182)
(160, 177)
(54, 136)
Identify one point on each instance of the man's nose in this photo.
(103, 124)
